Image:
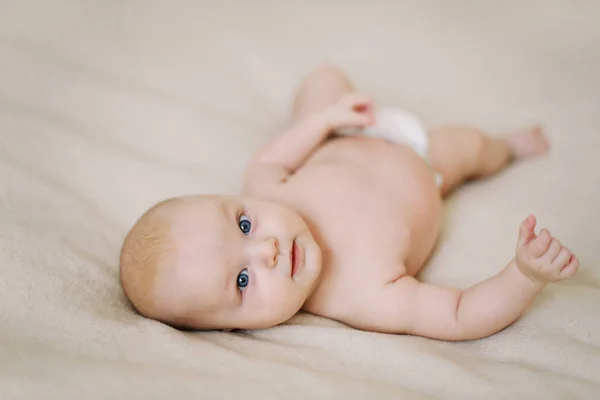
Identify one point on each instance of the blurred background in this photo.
(107, 107)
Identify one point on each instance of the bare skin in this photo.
(377, 251)
(365, 215)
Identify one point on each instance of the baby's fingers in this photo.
(570, 269)
(344, 122)
(526, 231)
(539, 245)
(562, 259)
(358, 101)
(552, 252)
(360, 119)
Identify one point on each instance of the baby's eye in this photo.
(244, 224)
(243, 280)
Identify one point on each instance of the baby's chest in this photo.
(363, 201)
(365, 174)
(355, 218)
(349, 284)
(362, 239)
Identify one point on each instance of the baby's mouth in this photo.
(295, 258)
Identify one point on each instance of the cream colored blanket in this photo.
(109, 106)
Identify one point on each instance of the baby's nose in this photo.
(265, 251)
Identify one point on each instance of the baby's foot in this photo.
(529, 142)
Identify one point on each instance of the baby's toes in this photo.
(539, 245)
(530, 142)
(540, 137)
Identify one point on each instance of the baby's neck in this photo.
(325, 256)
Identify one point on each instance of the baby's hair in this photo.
(143, 253)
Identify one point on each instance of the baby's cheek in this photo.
(276, 295)
(285, 297)
(274, 306)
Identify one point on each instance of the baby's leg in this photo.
(318, 90)
(460, 153)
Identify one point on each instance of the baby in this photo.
(337, 224)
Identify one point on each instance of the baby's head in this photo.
(219, 262)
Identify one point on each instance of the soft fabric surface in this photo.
(109, 106)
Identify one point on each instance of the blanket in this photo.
(107, 107)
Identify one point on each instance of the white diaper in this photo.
(398, 126)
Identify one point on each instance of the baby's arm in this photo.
(286, 153)
(408, 306)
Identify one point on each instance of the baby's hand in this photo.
(541, 257)
(353, 110)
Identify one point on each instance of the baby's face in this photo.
(239, 263)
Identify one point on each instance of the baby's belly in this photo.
(371, 201)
